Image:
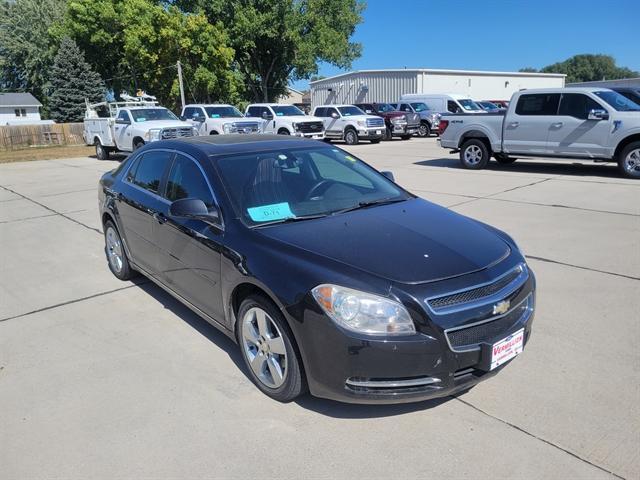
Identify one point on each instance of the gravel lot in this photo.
(105, 379)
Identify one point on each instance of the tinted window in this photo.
(350, 110)
(223, 112)
(617, 101)
(538, 104)
(453, 107)
(187, 181)
(367, 107)
(420, 106)
(577, 105)
(320, 112)
(287, 110)
(149, 170)
(257, 111)
(331, 111)
(123, 115)
(405, 108)
(149, 114)
(192, 112)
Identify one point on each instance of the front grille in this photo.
(246, 127)
(473, 294)
(488, 331)
(375, 122)
(310, 127)
(169, 133)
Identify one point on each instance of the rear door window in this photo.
(405, 107)
(453, 107)
(149, 170)
(577, 105)
(538, 104)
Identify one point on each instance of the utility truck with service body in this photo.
(349, 123)
(127, 126)
(283, 119)
(583, 123)
(219, 119)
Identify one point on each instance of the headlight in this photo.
(361, 123)
(294, 125)
(363, 312)
(152, 134)
(227, 127)
(399, 120)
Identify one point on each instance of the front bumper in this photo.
(356, 368)
(403, 130)
(371, 132)
(315, 135)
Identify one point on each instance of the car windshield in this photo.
(288, 184)
(469, 104)
(617, 101)
(150, 114)
(488, 105)
(350, 111)
(223, 112)
(420, 107)
(385, 107)
(287, 110)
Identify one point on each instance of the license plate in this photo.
(378, 132)
(507, 348)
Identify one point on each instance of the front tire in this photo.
(474, 154)
(284, 131)
(629, 160)
(138, 144)
(267, 347)
(351, 137)
(101, 152)
(116, 255)
(424, 130)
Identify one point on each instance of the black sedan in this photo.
(329, 276)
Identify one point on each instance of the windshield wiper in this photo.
(290, 220)
(370, 203)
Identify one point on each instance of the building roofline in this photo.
(443, 71)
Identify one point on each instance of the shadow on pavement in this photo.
(608, 170)
(325, 407)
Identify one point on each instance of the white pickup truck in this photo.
(127, 126)
(286, 120)
(584, 123)
(220, 119)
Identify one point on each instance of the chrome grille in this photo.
(478, 293)
(375, 122)
(491, 330)
(168, 133)
(246, 127)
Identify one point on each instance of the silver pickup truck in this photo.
(585, 123)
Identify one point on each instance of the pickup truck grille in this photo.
(491, 330)
(168, 133)
(375, 122)
(246, 127)
(310, 127)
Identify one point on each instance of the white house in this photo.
(20, 109)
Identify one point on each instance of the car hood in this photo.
(408, 242)
(300, 118)
(395, 113)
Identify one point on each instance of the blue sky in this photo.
(492, 34)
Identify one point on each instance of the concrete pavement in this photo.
(107, 379)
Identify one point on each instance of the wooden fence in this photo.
(22, 136)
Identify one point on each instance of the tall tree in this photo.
(277, 41)
(27, 47)
(136, 44)
(72, 80)
(588, 68)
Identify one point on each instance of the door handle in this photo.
(514, 124)
(557, 124)
(159, 217)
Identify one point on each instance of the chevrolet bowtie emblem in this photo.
(501, 307)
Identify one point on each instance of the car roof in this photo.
(337, 106)
(208, 105)
(214, 145)
(270, 105)
(565, 90)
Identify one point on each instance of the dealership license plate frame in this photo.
(502, 352)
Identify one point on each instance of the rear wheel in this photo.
(474, 154)
(424, 130)
(267, 346)
(629, 160)
(351, 137)
(116, 255)
(102, 153)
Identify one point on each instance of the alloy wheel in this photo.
(473, 155)
(114, 250)
(632, 163)
(264, 347)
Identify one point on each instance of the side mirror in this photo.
(195, 209)
(389, 175)
(183, 118)
(267, 116)
(200, 118)
(598, 114)
(334, 115)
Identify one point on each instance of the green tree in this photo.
(589, 68)
(72, 80)
(137, 43)
(27, 47)
(276, 41)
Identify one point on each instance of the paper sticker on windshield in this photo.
(215, 115)
(141, 119)
(279, 114)
(266, 213)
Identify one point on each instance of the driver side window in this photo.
(186, 180)
(123, 116)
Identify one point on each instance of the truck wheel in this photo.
(101, 152)
(138, 144)
(503, 159)
(424, 130)
(629, 160)
(387, 134)
(213, 132)
(351, 137)
(283, 131)
(474, 154)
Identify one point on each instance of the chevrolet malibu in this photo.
(330, 277)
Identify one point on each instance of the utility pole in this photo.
(179, 65)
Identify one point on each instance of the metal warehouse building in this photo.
(389, 85)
